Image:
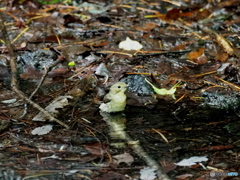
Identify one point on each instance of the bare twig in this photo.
(14, 82)
(47, 70)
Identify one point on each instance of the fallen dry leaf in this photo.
(125, 157)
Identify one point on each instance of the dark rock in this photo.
(221, 101)
(37, 59)
(137, 84)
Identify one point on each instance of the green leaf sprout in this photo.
(164, 91)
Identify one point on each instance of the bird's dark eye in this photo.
(119, 87)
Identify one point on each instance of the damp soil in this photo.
(189, 130)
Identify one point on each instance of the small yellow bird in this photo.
(115, 100)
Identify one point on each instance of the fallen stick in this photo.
(14, 82)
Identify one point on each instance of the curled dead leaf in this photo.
(198, 56)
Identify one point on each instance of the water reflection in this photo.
(116, 123)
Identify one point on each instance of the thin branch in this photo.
(47, 70)
(14, 82)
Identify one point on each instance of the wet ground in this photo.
(76, 152)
